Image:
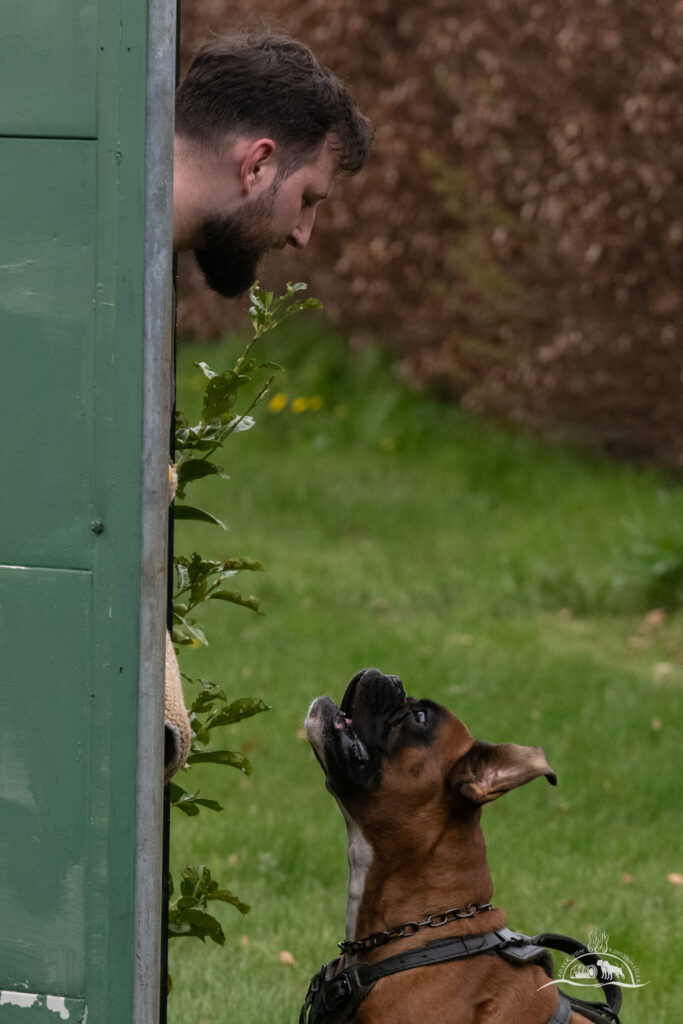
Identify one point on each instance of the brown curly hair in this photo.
(267, 82)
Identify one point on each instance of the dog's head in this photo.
(415, 754)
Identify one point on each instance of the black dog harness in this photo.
(334, 995)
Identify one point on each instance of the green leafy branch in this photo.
(267, 312)
(199, 580)
(188, 915)
(210, 710)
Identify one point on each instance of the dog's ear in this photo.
(488, 770)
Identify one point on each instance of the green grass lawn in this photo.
(508, 580)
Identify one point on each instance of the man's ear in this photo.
(488, 770)
(257, 165)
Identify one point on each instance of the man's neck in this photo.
(191, 184)
(206, 183)
(186, 222)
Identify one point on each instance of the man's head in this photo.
(262, 130)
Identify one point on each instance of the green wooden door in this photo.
(85, 176)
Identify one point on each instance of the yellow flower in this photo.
(278, 402)
(315, 403)
(299, 405)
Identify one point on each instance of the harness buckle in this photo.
(518, 949)
(339, 990)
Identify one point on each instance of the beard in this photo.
(234, 246)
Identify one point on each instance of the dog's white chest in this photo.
(360, 858)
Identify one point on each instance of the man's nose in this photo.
(301, 234)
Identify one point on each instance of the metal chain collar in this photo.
(410, 927)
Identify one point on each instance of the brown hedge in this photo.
(517, 237)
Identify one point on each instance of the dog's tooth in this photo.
(360, 752)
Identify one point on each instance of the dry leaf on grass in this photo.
(654, 618)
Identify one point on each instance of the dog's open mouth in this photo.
(343, 737)
(341, 722)
(331, 734)
(352, 746)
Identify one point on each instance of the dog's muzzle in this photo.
(327, 727)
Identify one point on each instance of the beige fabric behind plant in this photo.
(176, 719)
(178, 731)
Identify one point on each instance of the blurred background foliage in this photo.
(516, 240)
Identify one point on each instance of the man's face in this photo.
(283, 213)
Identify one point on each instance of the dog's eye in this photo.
(419, 717)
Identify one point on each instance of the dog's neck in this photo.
(389, 885)
(360, 857)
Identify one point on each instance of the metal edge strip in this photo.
(157, 397)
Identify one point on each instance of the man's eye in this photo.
(306, 202)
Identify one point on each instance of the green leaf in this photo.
(198, 568)
(201, 737)
(178, 930)
(189, 803)
(199, 924)
(205, 700)
(221, 394)
(196, 469)
(231, 758)
(203, 437)
(272, 366)
(197, 514)
(240, 424)
(187, 808)
(186, 631)
(238, 564)
(190, 879)
(236, 598)
(225, 896)
(244, 707)
(206, 370)
(182, 577)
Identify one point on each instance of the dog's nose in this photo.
(372, 679)
(397, 683)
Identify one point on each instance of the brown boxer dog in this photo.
(410, 781)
